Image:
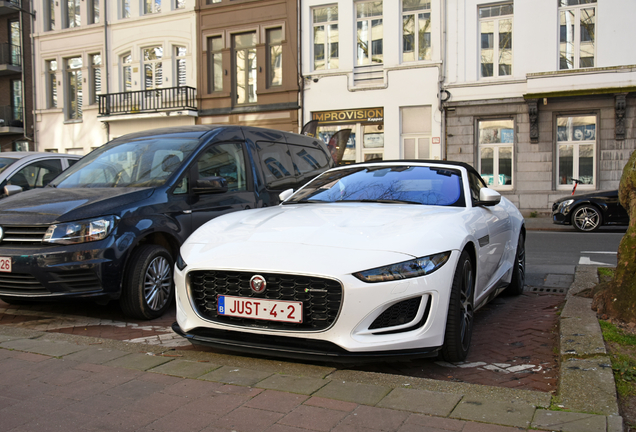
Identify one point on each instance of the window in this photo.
(179, 4)
(496, 143)
(244, 46)
(475, 185)
(495, 24)
(325, 37)
(227, 161)
(93, 11)
(576, 149)
(275, 159)
(49, 15)
(51, 84)
(212, 1)
(73, 18)
(369, 33)
(153, 67)
(416, 20)
(126, 72)
(416, 134)
(37, 174)
(180, 65)
(15, 42)
(74, 88)
(96, 77)
(577, 19)
(16, 100)
(125, 8)
(215, 64)
(274, 57)
(152, 6)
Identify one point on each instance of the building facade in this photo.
(374, 67)
(16, 73)
(107, 68)
(248, 63)
(533, 110)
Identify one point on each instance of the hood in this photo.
(329, 231)
(49, 205)
(589, 195)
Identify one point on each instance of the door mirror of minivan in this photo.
(12, 190)
(285, 194)
(208, 185)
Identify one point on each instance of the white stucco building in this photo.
(374, 67)
(104, 68)
(541, 92)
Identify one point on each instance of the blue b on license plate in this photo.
(263, 309)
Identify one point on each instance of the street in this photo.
(513, 340)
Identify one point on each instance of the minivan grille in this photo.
(321, 297)
(20, 283)
(76, 280)
(23, 235)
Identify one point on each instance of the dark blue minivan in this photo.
(110, 226)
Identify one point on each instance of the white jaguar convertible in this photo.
(377, 260)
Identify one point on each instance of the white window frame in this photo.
(496, 147)
(180, 60)
(576, 143)
(49, 15)
(327, 44)
(78, 89)
(124, 6)
(210, 53)
(91, 5)
(369, 20)
(77, 21)
(576, 47)
(51, 83)
(235, 69)
(157, 68)
(268, 55)
(126, 66)
(416, 40)
(151, 7)
(94, 73)
(496, 54)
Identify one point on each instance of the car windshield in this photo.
(386, 184)
(140, 163)
(5, 162)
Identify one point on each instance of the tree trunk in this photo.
(618, 300)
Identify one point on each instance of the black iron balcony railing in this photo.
(10, 116)
(10, 54)
(147, 101)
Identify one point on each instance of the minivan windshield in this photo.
(397, 184)
(140, 163)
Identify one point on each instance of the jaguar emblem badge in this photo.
(258, 284)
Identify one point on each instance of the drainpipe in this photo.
(442, 78)
(299, 51)
(106, 67)
(22, 76)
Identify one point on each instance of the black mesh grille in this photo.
(20, 283)
(321, 297)
(398, 314)
(23, 235)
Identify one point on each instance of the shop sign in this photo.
(364, 115)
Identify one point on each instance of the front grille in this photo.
(76, 280)
(20, 283)
(23, 235)
(321, 297)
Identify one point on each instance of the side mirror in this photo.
(488, 197)
(210, 185)
(285, 194)
(12, 190)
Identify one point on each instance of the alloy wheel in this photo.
(586, 218)
(466, 305)
(157, 282)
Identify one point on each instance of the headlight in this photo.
(81, 231)
(563, 207)
(404, 270)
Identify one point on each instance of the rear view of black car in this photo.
(588, 212)
(110, 227)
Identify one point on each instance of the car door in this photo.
(227, 160)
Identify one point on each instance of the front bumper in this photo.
(81, 270)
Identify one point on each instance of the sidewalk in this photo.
(54, 381)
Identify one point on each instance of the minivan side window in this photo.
(308, 161)
(277, 165)
(227, 161)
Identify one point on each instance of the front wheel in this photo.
(459, 324)
(586, 218)
(148, 289)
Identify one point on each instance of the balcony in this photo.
(161, 100)
(9, 6)
(10, 59)
(8, 123)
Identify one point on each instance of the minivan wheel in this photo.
(148, 286)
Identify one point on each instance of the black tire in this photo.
(148, 288)
(586, 218)
(519, 270)
(459, 324)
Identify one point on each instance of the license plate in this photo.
(5, 264)
(262, 309)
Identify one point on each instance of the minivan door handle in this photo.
(187, 211)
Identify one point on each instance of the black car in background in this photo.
(110, 226)
(590, 211)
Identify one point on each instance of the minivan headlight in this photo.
(404, 270)
(81, 231)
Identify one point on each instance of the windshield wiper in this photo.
(304, 201)
(383, 201)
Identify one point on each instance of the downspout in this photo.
(22, 76)
(442, 78)
(33, 78)
(299, 51)
(106, 64)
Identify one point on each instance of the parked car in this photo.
(588, 212)
(111, 225)
(30, 170)
(382, 259)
